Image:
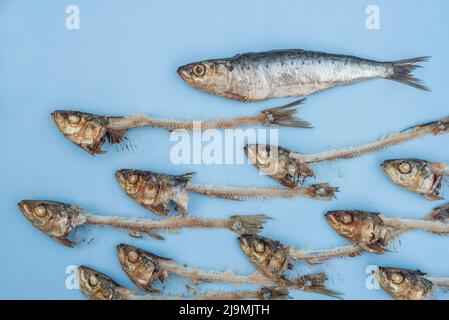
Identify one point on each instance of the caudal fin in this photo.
(403, 69)
(284, 116)
(316, 283)
(244, 224)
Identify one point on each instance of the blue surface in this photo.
(123, 60)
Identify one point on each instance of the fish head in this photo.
(98, 286)
(276, 162)
(414, 175)
(55, 219)
(211, 76)
(268, 256)
(141, 266)
(403, 284)
(133, 182)
(86, 130)
(351, 224)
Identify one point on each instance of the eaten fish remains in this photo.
(372, 232)
(58, 220)
(98, 286)
(156, 191)
(90, 131)
(418, 176)
(291, 73)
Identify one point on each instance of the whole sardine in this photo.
(290, 73)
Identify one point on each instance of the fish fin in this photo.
(402, 72)
(116, 136)
(374, 248)
(246, 224)
(94, 149)
(64, 241)
(440, 168)
(155, 235)
(439, 214)
(159, 209)
(186, 176)
(284, 116)
(433, 197)
(316, 283)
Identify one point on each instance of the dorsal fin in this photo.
(186, 176)
(439, 214)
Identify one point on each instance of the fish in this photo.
(366, 229)
(251, 77)
(157, 191)
(90, 131)
(272, 258)
(53, 218)
(142, 267)
(57, 220)
(403, 284)
(98, 286)
(418, 176)
(372, 231)
(275, 161)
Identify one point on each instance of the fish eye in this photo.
(259, 247)
(133, 257)
(133, 179)
(397, 278)
(405, 167)
(93, 280)
(40, 211)
(74, 119)
(199, 70)
(346, 218)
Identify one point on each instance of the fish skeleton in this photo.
(98, 286)
(372, 232)
(155, 191)
(90, 131)
(292, 168)
(58, 220)
(291, 73)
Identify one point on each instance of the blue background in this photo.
(123, 61)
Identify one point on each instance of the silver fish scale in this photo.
(292, 73)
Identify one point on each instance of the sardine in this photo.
(58, 220)
(419, 176)
(291, 73)
(98, 286)
(295, 166)
(156, 191)
(403, 284)
(90, 131)
(373, 232)
(146, 269)
(273, 259)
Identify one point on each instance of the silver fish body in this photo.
(289, 73)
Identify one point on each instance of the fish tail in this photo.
(246, 224)
(284, 116)
(316, 283)
(403, 69)
(439, 214)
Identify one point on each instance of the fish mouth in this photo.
(331, 218)
(120, 175)
(184, 74)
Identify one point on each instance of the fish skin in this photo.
(289, 73)
(97, 286)
(275, 162)
(155, 191)
(365, 229)
(55, 219)
(414, 175)
(403, 284)
(141, 266)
